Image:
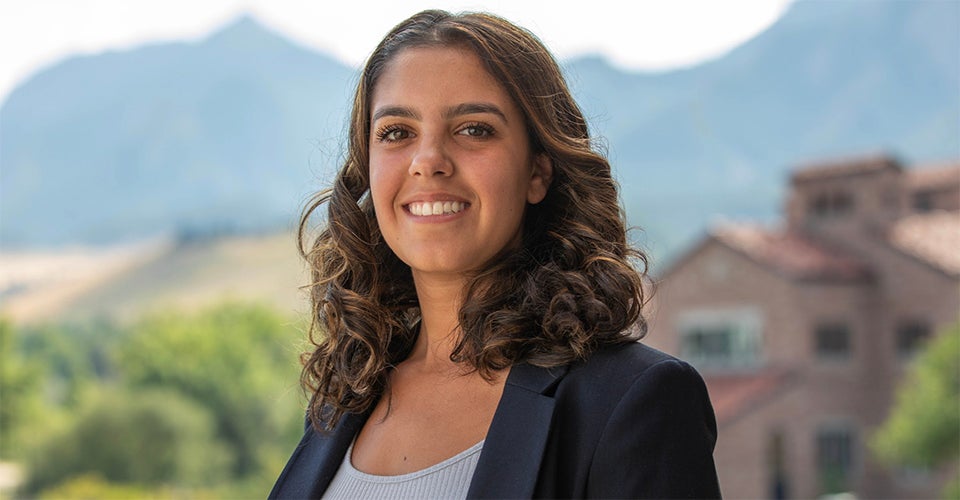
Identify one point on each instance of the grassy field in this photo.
(124, 281)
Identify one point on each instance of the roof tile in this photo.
(934, 177)
(734, 394)
(845, 167)
(932, 237)
(791, 253)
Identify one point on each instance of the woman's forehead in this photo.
(438, 76)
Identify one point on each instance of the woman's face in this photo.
(451, 168)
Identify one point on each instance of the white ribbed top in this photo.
(447, 479)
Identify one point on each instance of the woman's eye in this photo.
(476, 130)
(392, 134)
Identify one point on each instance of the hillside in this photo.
(235, 131)
(124, 281)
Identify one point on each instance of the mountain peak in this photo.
(244, 29)
(243, 22)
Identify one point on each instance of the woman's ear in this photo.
(540, 178)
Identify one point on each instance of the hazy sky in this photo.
(634, 34)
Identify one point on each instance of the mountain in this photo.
(227, 133)
(235, 131)
(829, 79)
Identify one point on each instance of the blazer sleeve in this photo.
(659, 440)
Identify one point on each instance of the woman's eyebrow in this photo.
(469, 108)
(399, 111)
(466, 108)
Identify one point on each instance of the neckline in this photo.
(459, 457)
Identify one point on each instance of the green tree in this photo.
(175, 400)
(152, 437)
(74, 357)
(237, 360)
(19, 392)
(94, 486)
(923, 428)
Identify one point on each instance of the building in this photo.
(803, 331)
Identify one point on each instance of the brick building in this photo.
(802, 331)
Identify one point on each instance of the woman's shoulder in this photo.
(627, 360)
(612, 371)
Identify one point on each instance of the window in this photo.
(835, 458)
(820, 206)
(832, 341)
(716, 343)
(923, 201)
(842, 203)
(911, 336)
(831, 204)
(721, 338)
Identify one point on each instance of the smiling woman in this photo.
(457, 141)
(476, 304)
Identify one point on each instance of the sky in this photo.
(648, 35)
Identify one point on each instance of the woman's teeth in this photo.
(436, 207)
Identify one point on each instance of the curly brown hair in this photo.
(574, 285)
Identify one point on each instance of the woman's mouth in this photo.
(431, 208)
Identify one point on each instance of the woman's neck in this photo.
(440, 298)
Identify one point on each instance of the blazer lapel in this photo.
(316, 460)
(510, 461)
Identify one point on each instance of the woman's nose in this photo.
(430, 159)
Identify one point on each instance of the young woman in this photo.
(476, 304)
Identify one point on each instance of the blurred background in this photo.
(792, 168)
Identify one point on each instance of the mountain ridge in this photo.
(238, 128)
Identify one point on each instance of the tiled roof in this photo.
(791, 254)
(932, 237)
(733, 395)
(934, 178)
(844, 167)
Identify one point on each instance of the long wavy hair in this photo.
(574, 285)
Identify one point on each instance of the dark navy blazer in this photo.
(630, 422)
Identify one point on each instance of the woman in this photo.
(476, 304)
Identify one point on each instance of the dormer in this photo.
(852, 194)
(932, 188)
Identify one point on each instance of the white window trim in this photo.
(746, 318)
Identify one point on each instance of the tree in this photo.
(154, 437)
(238, 361)
(19, 392)
(923, 428)
(74, 356)
(207, 399)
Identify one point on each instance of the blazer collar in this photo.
(316, 460)
(510, 461)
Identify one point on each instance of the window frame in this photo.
(821, 329)
(744, 324)
(912, 325)
(849, 452)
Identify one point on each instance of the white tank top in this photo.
(447, 479)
